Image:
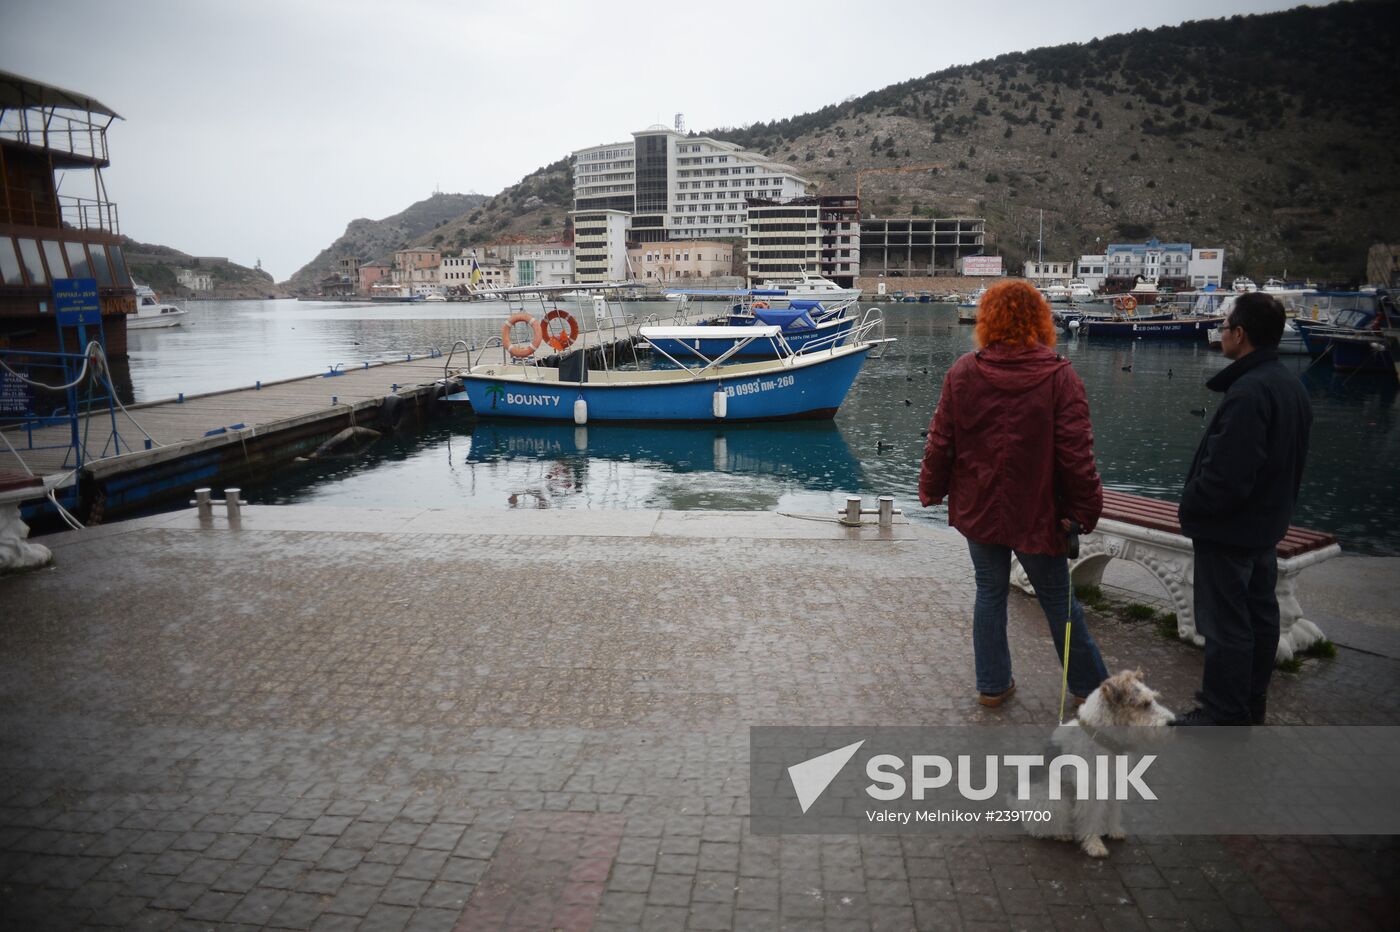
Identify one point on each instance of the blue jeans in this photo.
(1050, 577)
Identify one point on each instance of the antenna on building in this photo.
(680, 122)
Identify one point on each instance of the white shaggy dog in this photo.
(1121, 717)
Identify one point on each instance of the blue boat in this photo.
(1346, 329)
(803, 324)
(790, 388)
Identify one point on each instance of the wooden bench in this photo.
(1145, 531)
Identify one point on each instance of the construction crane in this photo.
(898, 169)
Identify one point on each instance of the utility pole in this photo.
(1040, 245)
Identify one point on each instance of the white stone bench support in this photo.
(17, 552)
(1170, 559)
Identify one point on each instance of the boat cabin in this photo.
(47, 136)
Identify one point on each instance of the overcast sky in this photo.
(259, 128)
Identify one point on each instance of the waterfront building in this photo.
(1383, 265)
(545, 264)
(680, 261)
(1092, 271)
(672, 186)
(418, 269)
(371, 273)
(820, 235)
(195, 280)
(600, 246)
(1048, 271)
(1206, 267)
(904, 247)
(44, 235)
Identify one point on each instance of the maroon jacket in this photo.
(1011, 447)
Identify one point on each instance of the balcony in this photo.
(72, 141)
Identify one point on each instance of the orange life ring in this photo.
(563, 339)
(760, 305)
(521, 350)
(1125, 302)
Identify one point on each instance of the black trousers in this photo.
(1237, 613)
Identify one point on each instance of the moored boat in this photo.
(151, 314)
(1143, 328)
(808, 383)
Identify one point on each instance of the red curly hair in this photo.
(1014, 313)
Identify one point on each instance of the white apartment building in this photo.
(457, 273)
(600, 246)
(549, 264)
(1092, 270)
(195, 280)
(1207, 267)
(680, 261)
(678, 187)
(1048, 272)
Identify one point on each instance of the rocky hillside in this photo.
(1274, 136)
(156, 266)
(377, 239)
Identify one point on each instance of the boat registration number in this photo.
(759, 385)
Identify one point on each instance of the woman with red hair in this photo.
(1011, 448)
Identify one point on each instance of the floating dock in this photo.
(142, 455)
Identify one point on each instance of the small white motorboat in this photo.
(151, 313)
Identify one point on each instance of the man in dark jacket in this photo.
(1237, 506)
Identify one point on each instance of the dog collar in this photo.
(1103, 740)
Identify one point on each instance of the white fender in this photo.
(580, 411)
(721, 404)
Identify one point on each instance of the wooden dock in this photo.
(139, 456)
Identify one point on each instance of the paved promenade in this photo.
(408, 719)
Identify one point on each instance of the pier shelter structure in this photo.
(918, 247)
(44, 235)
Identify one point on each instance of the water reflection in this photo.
(672, 466)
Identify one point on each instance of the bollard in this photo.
(394, 388)
(148, 443)
(852, 517)
(181, 399)
(231, 502)
(257, 386)
(886, 510)
(335, 399)
(201, 501)
(366, 364)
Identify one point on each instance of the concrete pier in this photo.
(325, 718)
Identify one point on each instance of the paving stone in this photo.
(322, 775)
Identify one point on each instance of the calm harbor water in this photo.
(1141, 395)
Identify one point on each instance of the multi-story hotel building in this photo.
(820, 235)
(672, 186)
(600, 246)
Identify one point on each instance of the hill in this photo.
(377, 239)
(1274, 136)
(156, 266)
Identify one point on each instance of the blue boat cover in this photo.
(798, 305)
(794, 318)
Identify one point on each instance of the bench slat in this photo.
(1161, 516)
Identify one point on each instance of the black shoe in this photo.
(1257, 706)
(1196, 716)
